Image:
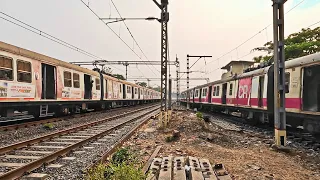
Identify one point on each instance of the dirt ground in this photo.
(245, 156)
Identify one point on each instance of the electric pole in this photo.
(164, 60)
(178, 80)
(279, 73)
(188, 72)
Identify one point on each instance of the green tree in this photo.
(299, 44)
(143, 84)
(156, 88)
(119, 76)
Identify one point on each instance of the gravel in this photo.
(14, 136)
(72, 169)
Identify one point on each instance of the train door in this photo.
(132, 92)
(106, 89)
(88, 83)
(260, 91)
(48, 81)
(138, 93)
(224, 93)
(200, 94)
(210, 94)
(311, 89)
(124, 91)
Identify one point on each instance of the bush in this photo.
(122, 155)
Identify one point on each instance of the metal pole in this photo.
(279, 73)
(178, 80)
(126, 72)
(188, 93)
(170, 96)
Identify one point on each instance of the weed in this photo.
(199, 115)
(48, 126)
(122, 166)
(171, 138)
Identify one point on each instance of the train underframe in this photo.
(47, 108)
(309, 122)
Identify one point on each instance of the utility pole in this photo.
(126, 64)
(279, 73)
(178, 80)
(170, 95)
(164, 59)
(188, 72)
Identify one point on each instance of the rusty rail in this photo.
(117, 144)
(44, 121)
(18, 172)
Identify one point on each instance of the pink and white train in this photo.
(251, 93)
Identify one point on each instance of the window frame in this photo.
(73, 80)
(5, 68)
(24, 72)
(287, 84)
(98, 85)
(230, 89)
(218, 90)
(214, 90)
(64, 83)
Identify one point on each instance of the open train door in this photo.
(88, 83)
(48, 81)
(224, 93)
(210, 94)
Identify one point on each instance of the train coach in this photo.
(44, 86)
(251, 94)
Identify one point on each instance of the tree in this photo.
(299, 44)
(143, 84)
(118, 76)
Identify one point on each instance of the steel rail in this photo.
(44, 121)
(18, 172)
(61, 132)
(118, 144)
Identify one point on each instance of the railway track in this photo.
(13, 125)
(22, 157)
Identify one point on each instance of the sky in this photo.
(203, 27)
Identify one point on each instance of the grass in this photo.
(123, 165)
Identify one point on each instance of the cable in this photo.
(251, 36)
(134, 38)
(110, 28)
(314, 24)
(48, 36)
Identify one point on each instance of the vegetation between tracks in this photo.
(123, 165)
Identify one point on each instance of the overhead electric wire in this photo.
(48, 36)
(111, 29)
(251, 37)
(133, 37)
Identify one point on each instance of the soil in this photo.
(245, 155)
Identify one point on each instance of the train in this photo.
(42, 86)
(250, 93)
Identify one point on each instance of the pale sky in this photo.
(203, 27)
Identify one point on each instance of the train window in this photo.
(128, 89)
(218, 90)
(24, 71)
(135, 90)
(76, 80)
(214, 91)
(6, 70)
(204, 92)
(67, 79)
(287, 82)
(120, 88)
(230, 89)
(97, 84)
(197, 93)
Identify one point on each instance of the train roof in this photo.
(301, 61)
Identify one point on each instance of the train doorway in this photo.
(48, 81)
(224, 93)
(260, 91)
(88, 83)
(311, 89)
(210, 94)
